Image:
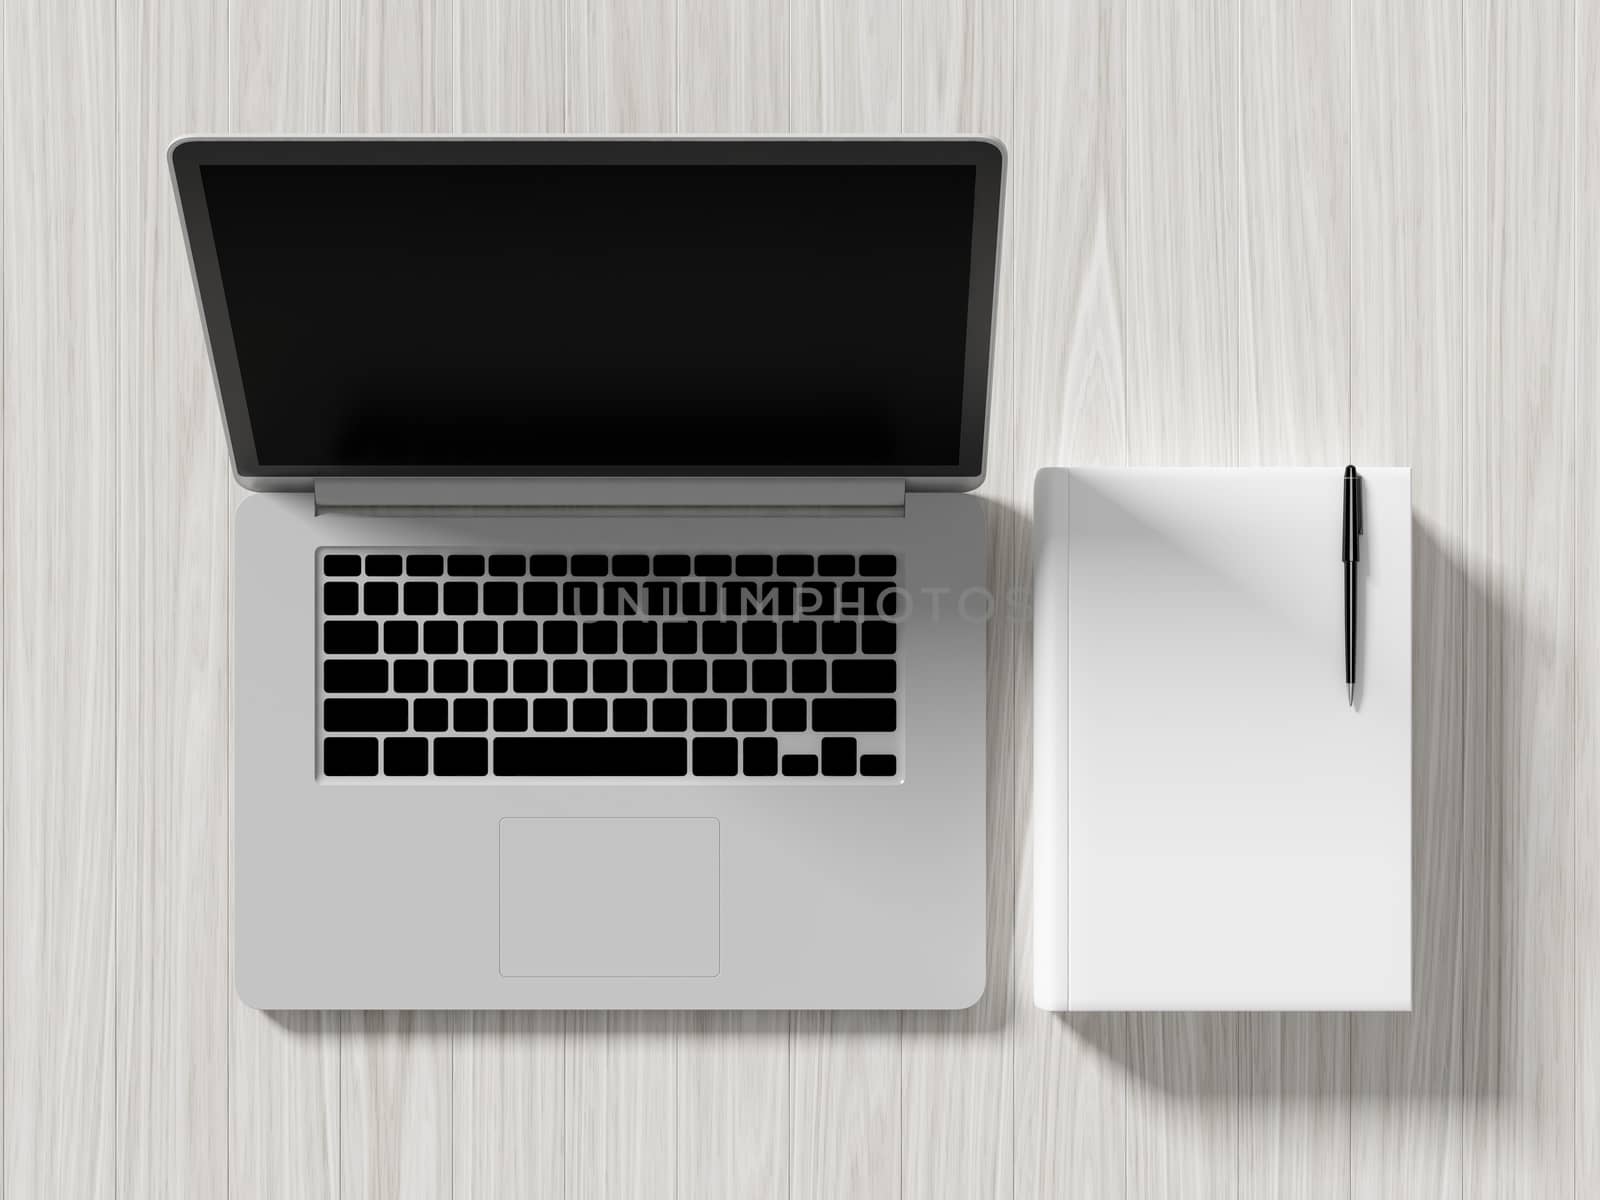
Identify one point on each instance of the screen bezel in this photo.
(188, 156)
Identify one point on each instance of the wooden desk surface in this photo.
(1237, 232)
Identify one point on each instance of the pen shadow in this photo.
(1450, 1044)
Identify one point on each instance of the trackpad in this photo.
(597, 896)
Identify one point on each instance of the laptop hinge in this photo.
(611, 496)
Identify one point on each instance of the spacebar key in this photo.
(591, 756)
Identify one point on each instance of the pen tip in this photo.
(1350, 693)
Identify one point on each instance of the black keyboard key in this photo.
(838, 756)
(729, 676)
(460, 756)
(405, 756)
(875, 675)
(836, 565)
(630, 564)
(710, 714)
(794, 565)
(471, 715)
(489, 676)
(649, 675)
(450, 675)
(877, 564)
(355, 675)
(777, 598)
(670, 714)
(560, 637)
(678, 637)
(465, 564)
(760, 637)
(741, 598)
(550, 715)
(365, 716)
(511, 715)
(749, 716)
(877, 765)
(753, 564)
(761, 756)
(480, 637)
(384, 565)
(440, 637)
(700, 598)
(800, 765)
(610, 676)
(589, 716)
(511, 565)
(638, 637)
(461, 599)
(769, 676)
(341, 599)
(838, 637)
(799, 637)
(530, 675)
(830, 715)
(581, 599)
(630, 715)
(713, 566)
(591, 756)
(815, 599)
(430, 716)
(350, 756)
(540, 600)
(520, 637)
(716, 756)
(380, 599)
(570, 675)
(689, 676)
(341, 564)
(500, 599)
(421, 599)
(426, 566)
(788, 716)
(877, 637)
(350, 637)
(399, 637)
(867, 598)
(547, 564)
(660, 598)
(719, 637)
(808, 676)
(600, 637)
(410, 676)
(589, 564)
(671, 566)
(620, 598)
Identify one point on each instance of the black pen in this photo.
(1350, 551)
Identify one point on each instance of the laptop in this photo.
(609, 607)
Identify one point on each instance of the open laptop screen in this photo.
(741, 313)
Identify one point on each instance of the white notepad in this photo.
(1214, 827)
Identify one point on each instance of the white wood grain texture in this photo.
(283, 1128)
(1520, 969)
(399, 65)
(1294, 392)
(1407, 375)
(509, 1095)
(60, 593)
(1066, 405)
(173, 522)
(1586, 616)
(394, 1112)
(1184, 407)
(511, 72)
(622, 63)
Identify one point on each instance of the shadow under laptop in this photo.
(1451, 1043)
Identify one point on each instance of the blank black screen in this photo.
(671, 317)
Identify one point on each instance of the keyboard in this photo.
(459, 665)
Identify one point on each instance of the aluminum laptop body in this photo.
(609, 604)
